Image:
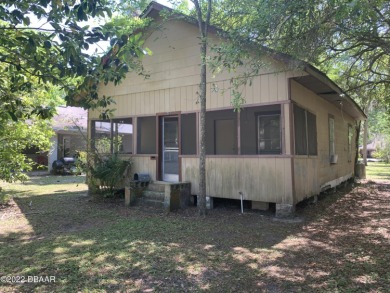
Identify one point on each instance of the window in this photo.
(332, 151)
(146, 135)
(188, 134)
(260, 130)
(268, 134)
(350, 138)
(113, 136)
(305, 132)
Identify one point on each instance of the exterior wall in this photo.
(313, 172)
(174, 79)
(172, 87)
(258, 178)
(52, 156)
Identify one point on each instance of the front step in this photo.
(153, 195)
(166, 195)
(155, 186)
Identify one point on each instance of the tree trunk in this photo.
(203, 26)
(202, 135)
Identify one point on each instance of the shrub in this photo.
(82, 162)
(383, 152)
(109, 172)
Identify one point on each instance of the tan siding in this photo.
(259, 179)
(143, 164)
(320, 166)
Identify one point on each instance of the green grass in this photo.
(51, 228)
(378, 171)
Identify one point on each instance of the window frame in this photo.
(113, 134)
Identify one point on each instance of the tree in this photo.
(35, 57)
(203, 19)
(18, 135)
(347, 38)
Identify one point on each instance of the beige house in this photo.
(293, 137)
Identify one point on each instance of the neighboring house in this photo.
(70, 127)
(293, 138)
(372, 147)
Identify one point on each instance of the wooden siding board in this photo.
(325, 171)
(264, 89)
(259, 179)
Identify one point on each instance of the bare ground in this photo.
(339, 244)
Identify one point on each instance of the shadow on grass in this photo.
(343, 246)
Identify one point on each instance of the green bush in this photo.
(82, 162)
(383, 152)
(109, 172)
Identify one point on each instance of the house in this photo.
(293, 138)
(70, 133)
(70, 136)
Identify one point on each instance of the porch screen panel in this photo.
(146, 135)
(260, 126)
(221, 132)
(268, 134)
(312, 133)
(300, 131)
(188, 134)
(123, 135)
(101, 136)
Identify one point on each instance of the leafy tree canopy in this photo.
(40, 64)
(33, 56)
(347, 37)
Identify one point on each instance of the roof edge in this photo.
(310, 69)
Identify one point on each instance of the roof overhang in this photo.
(321, 85)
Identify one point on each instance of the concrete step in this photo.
(144, 202)
(156, 187)
(153, 195)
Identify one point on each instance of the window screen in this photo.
(122, 135)
(188, 134)
(311, 133)
(221, 132)
(305, 131)
(101, 136)
(146, 135)
(268, 134)
(260, 130)
(300, 131)
(113, 136)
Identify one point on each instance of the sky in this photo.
(102, 46)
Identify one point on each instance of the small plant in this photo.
(109, 172)
(82, 162)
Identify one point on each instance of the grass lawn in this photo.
(378, 171)
(50, 227)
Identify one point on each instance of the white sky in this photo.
(35, 23)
